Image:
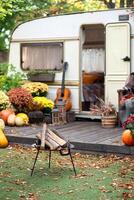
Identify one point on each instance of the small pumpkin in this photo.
(5, 113)
(2, 124)
(127, 137)
(3, 140)
(19, 121)
(11, 120)
(24, 117)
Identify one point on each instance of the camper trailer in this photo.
(98, 47)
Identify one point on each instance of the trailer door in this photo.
(117, 59)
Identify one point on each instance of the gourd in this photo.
(127, 137)
(11, 120)
(19, 121)
(5, 113)
(3, 140)
(2, 124)
(24, 117)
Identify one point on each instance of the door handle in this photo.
(126, 59)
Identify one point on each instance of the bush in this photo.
(4, 68)
(11, 80)
(20, 98)
(36, 88)
(4, 101)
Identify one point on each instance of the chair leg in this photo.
(50, 153)
(69, 151)
(32, 170)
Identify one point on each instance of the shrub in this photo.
(20, 98)
(44, 103)
(11, 80)
(4, 101)
(36, 88)
(3, 68)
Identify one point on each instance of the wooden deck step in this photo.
(85, 135)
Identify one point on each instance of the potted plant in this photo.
(41, 75)
(108, 113)
(4, 101)
(20, 98)
(36, 88)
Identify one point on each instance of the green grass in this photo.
(99, 177)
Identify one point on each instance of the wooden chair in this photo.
(50, 140)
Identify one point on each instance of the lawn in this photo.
(100, 177)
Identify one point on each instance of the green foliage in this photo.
(5, 8)
(3, 68)
(13, 12)
(11, 80)
(18, 11)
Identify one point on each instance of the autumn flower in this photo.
(4, 101)
(36, 88)
(43, 102)
(20, 98)
(129, 123)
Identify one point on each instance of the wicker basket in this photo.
(109, 121)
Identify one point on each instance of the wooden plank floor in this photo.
(85, 135)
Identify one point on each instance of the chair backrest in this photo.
(50, 139)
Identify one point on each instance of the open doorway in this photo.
(93, 65)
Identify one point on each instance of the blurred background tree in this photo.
(14, 12)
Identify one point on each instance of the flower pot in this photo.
(36, 116)
(109, 121)
(42, 77)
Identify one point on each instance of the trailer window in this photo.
(47, 56)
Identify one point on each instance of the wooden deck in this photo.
(85, 135)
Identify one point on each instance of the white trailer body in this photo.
(116, 49)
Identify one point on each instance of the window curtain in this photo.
(42, 57)
(93, 60)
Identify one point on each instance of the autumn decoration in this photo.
(128, 137)
(4, 101)
(128, 133)
(107, 112)
(20, 98)
(2, 124)
(43, 103)
(36, 88)
(3, 140)
(4, 114)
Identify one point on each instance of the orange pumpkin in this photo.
(127, 137)
(3, 140)
(4, 114)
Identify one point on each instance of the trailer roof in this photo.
(64, 26)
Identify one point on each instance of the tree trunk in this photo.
(109, 4)
(129, 3)
(122, 3)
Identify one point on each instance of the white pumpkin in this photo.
(19, 121)
(11, 120)
(2, 124)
